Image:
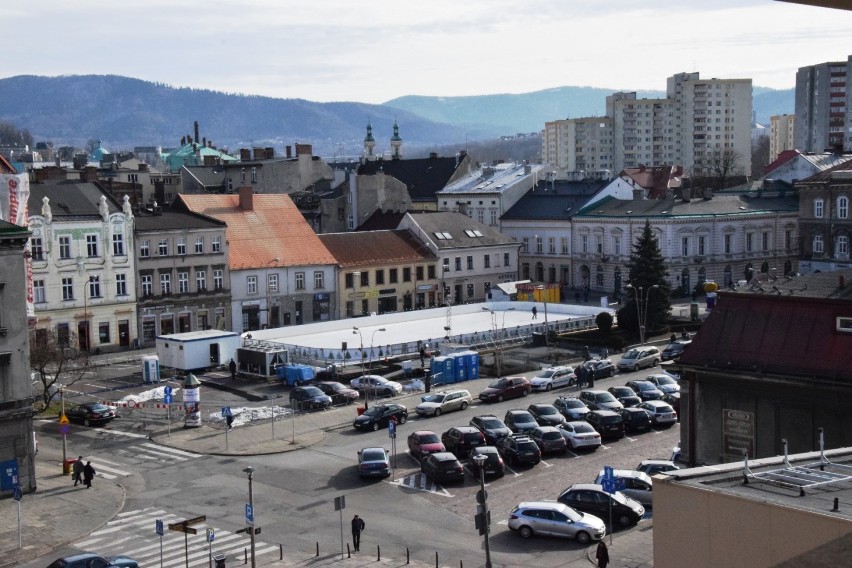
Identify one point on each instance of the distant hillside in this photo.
(125, 112)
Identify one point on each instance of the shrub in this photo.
(604, 321)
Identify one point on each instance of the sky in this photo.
(372, 52)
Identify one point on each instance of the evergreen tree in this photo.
(646, 269)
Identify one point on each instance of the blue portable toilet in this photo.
(446, 367)
(471, 361)
(436, 367)
(460, 364)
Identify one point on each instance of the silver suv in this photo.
(437, 403)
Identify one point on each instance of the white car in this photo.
(438, 403)
(375, 385)
(553, 378)
(580, 434)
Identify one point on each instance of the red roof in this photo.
(657, 179)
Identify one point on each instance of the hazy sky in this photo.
(346, 50)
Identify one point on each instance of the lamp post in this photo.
(357, 331)
(250, 472)
(372, 339)
(482, 508)
(543, 290)
(642, 314)
(498, 349)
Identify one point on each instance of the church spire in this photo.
(369, 143)
(396, 143)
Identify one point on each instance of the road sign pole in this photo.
(161, 551)
(169, 420)
(226, 437)
(272, 408)
(20, 542)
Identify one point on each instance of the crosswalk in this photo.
(133, 534)
(137, 455)
(421, 482)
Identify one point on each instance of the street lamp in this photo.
(357, 331)
(642, 315)
(372, 339)
(250, 471)
(498, 349)
(482, 507)
(544, 299)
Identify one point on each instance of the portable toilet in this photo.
(460, 366)
(442, 370)
(471, 362)
(150, 369)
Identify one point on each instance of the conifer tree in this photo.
(646, 269)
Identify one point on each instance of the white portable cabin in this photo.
(197, 349)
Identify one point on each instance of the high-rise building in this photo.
(781, 128)
(823, 107)
(578, 144)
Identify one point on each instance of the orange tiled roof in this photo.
(376, 247)
(273, 228)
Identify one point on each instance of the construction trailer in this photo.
(196, 350)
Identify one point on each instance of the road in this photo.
(294, 493)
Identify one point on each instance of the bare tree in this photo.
(759, 157)
(54, 363)
(722, 164)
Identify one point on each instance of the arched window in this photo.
(842, 207)
(818, 207)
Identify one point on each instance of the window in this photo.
(380, 277)
(788, 239)
(36, 249)
(120, 284)
(217, 244)
(584, 243)
(64, 247)
(251, 284)
(470, 290)
(487, 288)
(819, 247)
(67, 288)
(365, 278)
(818, 207)
(91, 245)
(254, 175)
(163, 248)
(526, 244)
(181, 247)
(564, 245)
(147, 285)
(458, 264)
(551, 245)
(94, 286)
(63, 334)
(749, 242)
(219, 279)
(300, 280)
(702, 245)
(487, 260)
(493, 217)
(199, 245)
(349, 280)
(729, 244)
(393, 275)
(431, 271)
(616, 246)
(470, 263)
(272, 283)
(201, 280)
(598, 244)
(406, 273)
(319, 280)
(842, 247)
(103, 332)
(242, 175)
(183, 282)
(165, 284)
(506, 261)
(145, 248)
(684, 246)
(118, 244)
(764, 240)
(599, 276)
(39, 292)
(539, 247)
(842, 207)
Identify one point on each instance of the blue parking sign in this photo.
(392, 429)
(158, 525)
(167, 390)
(249, 514)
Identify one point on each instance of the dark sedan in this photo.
(645, 389)
(600, 368)
(546, 414)
(309, 398)
(377, 417)
(493, 464)
(442, 467)
(339, 394)
(505, 388)
(95, 414)
(625, 396)
(636, 419)
(608, 423)
(491, 427)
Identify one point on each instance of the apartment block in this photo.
(823, 107)
(781, 128)
(578, 144)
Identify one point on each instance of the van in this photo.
(637, 484)
(639, 358)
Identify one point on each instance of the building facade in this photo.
(781, 131)
(578, 144)
(824, 107)
(824, 219)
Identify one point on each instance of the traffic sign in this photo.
(210, 534)
(608, 473)
(64, 428)
(226, 411)
(608, 485)
(167, 390)
(17, 492)
(158, 526)
(64, 419)
(340, 503)
(167, 398)
(249, 514)
(481, 496)
(392, 428)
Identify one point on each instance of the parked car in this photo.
(442, 467)
(373, 462)
(520, 421)
(491, 427)
(608, 423)
(664, 382)
(639, 358)
(591, 498)
(424, 442)
(546, 414)
(554, 378)
(637, 485)
(438, 403)
(646, 390)
(551, 518)
(378, 416)
(600, 400)
(374, 385)
(653, 467)
(673, 351)
(519, 449)
(493, 465)
(662, 414)
(549, 440)
(580, 435)
(339, 394)
(507, 387)
(600, 368)
(673, 399)
(309, 398)
(625, 396)
(91, 414)
(635, 419)
(572, 408)
(461, 439)
(91, 560)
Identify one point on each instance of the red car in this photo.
(424, 442)
(507, 387)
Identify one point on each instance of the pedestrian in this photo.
(581, 376)
(590, 378)
(358, 525)
(587, 354)
(423, 357)
(78, 471)
(586, 297)
(685, 334)
(602, 555)
(673, 338)
(233, 367)
(605, 353)
(534, 312)
(88, 474)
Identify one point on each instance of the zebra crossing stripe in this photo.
(123, 433)
(108, 472)
(170, 450)
(156, 455)
(421, 482)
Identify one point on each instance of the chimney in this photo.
(246, 203)
(638, 195)
(288, 151)
(143, 167)
(270, 153)
(641, 168)
(259, 154)
(195, 130)
(245, 155)
(304, 150)
(433, 155)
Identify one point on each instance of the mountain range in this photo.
(126, 112)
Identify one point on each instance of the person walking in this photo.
(78, 471)
(358, 526)
(88, 474)
(534, 312)
(423, 357)
(233, 367)
(602, 554)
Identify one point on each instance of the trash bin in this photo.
(219, 560)
(67, 466)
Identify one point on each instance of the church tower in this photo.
(369, 144)
(396, 143)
